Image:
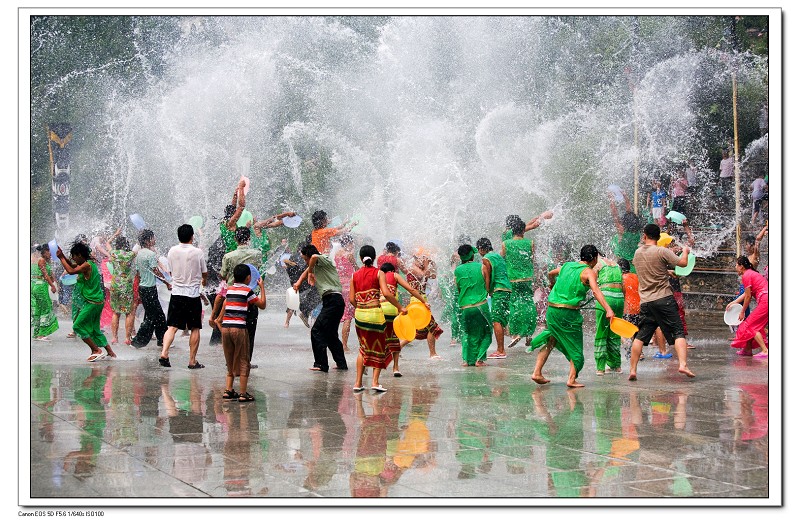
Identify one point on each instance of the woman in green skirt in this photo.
(42, 316)
(86, 322)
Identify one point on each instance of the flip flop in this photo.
(761, 355)
(398, 374)
(96, 357)
(197, 366)
(514, 342)
(379, 388)
(358, 389)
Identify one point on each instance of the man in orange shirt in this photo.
(321, 236)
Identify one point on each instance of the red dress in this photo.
(758, 318)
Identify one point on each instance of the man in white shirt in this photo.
(759, 195)
(189, 274)
(726, 176)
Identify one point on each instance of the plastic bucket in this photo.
(623, 328)
(686, 270)
(732, 315)
(53, 245)
(244, 218)
(254, 276)
(196, 222)
(419, 314)
(69, 279)
(664, 240)
(676, 217)
(138, 221)
(617, 192)
(292, 222)
(292, 299)
(404, 327)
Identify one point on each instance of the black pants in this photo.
(325, 333)
(252, 322)
(216, 334)
(154, 319)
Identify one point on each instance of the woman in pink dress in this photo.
(753, 328)
(346, 265)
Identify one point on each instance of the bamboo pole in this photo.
(736, 169)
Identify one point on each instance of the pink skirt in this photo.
(755, 322)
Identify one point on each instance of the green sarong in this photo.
(522, 319)
(477, 334)
(500, 307)
(43, 319)
(566, 326)
(606, 342)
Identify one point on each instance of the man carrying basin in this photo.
(658, 306)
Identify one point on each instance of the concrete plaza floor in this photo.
(128, 428)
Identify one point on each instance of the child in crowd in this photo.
(232, 322)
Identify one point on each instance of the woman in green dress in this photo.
(86, 322)
(518, 252)
(43, 319)
(606, 342)
(122, 302)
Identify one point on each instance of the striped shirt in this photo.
(237, 299)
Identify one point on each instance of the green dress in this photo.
(43, 320)
(522, 309)
(475, 315)
(263, 244)
(86, 323)
(228, 237)
(122, 281)
(606, 342)
(625, 247)
(566, 324)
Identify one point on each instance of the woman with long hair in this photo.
(42, 317)
(753, 327)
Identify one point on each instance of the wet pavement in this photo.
(126, 428)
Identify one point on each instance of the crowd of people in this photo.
(489, 295)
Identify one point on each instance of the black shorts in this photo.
(661, 313)
(185, 312)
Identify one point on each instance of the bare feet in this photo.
(632, 377)
(539, 379)
(480, 363)
(575, 384)
(464, 364)
(110, 352)
(686, 372)
(114, 341)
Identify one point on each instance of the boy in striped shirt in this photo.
(232, 322)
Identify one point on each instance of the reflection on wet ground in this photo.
(130, 428)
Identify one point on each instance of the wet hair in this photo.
(367, 251)
(387, 267)
(302, 244)
(230, 210)
(624, 265)
(510, 219)
(630, 222)
(309, 250)
(240, 273)
(518, 228)
(185, 233)
(465, 250)
(318, 218)
(122, 243)
(392, 248)
(40, 248)
(146, 236)
(743, 261)
(81, 249)
(242, 235)
(484, 244)
(589, 253)
(652, 231)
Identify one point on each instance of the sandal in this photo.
(96, 357)
(196, 365)
(230, 394)
(246, 397)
